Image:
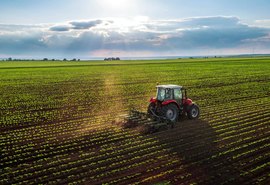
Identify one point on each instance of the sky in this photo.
(133, 28)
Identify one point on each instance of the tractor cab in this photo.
(170, 92)
(171, 101)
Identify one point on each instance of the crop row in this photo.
(57, 125)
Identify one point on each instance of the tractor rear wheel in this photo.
(194, 112)
(151, 107)
(171, 112)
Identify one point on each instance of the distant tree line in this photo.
(112, 58)
(44, 59)
(74, 59)
(64, 59)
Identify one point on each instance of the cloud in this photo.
(78, 25)
(85, 42)
(13, 44)
(60, 28)
(18, 27)
(214, 22)
(214, 37)
(197, 35)
(262, 23)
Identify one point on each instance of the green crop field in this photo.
(58, 123)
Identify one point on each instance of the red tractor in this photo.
(171, 102)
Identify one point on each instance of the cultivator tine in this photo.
(144, 122)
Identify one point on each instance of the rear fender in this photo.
(170, 101)
(187, 102)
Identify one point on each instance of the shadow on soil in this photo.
(194, 142)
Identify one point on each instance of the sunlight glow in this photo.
(116, 4)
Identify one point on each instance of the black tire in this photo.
(171, 112)
(193, 112)
(151, 106)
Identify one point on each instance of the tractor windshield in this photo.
(160, 94)
(163, 94)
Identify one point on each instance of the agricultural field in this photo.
(58, 123)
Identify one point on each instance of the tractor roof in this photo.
(169, 86)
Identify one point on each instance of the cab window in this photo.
(161, 94)
(168, 94)
(178, 94)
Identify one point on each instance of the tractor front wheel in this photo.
(171, 112)
(193, 112)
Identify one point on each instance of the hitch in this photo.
(159, 118)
